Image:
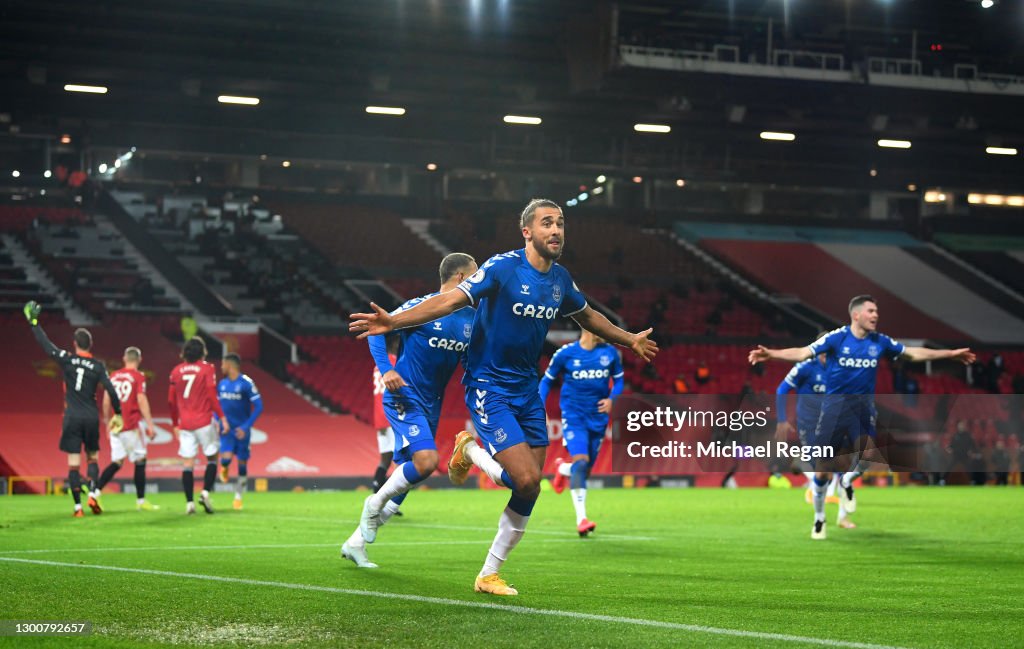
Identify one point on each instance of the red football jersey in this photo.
(129, 384)
(379, 420)
(193, 395)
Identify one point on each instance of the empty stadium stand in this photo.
(702, 312)
(15, 286)
(923, 280)
(91, 261)
(361, 237)
(246, 258)
(782, 267)
(791, 261)
(1000, 257)
(21, 218)
(174, 276)
(25, 273)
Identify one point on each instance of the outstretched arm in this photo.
(381, 322)
(919, 354)
(789, 354)
(596, 323)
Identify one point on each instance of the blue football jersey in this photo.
(241, 401)
(515, 306)
(852, 361)
(429, 355)
(585, 374)
(808, 380)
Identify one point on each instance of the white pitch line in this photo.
(262, 546)
(108, 548)
(522, 610)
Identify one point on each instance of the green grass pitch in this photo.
(940, 567)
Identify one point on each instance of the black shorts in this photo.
(76, 432)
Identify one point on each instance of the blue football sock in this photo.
(520, 505)
(507, 480)
(411, 474)
(578, 477)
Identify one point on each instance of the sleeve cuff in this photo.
(465, 290)
(582, 308)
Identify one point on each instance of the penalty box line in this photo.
(444, 601)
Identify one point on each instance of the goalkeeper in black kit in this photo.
(81, 424)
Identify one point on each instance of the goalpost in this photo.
(13, 479)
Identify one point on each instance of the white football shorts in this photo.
(129, 444)
(190, 441)
(386, 440)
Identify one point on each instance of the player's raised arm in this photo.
(596, 323)
(920, 354)
(381, 322)
(789, 354)
(32, 311)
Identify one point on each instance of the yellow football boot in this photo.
(460, 464)
(493, 585)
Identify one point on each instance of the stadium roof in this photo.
(459, 66)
